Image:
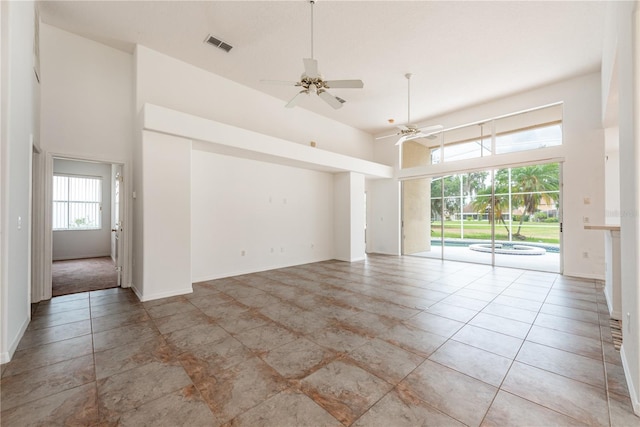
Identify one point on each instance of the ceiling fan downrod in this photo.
(312, 3)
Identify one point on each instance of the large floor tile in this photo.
(265, 338)
(561, 362)
(182, 407)
(401, 409)
(135, 354)
(338, 339)
(494, 342)
(298, 358)
(435, 324)
(208, 360)
(74, 407)
(479, 364)
(387, 361)
(128, 390)
(194, 336)
(344, 390)
(239, 388)
(457, 395)
(124, 335)
(415, 340)
(502, 325)
(112, 321)
(510, 410)
(566, 341)
(578, 400)
(586, 329)
(453, 312)
(37, 383)
(509, 312)
(48, 354)
(36, 337)
(286, 408)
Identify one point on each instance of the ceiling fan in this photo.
(411, 131)
(312, 81)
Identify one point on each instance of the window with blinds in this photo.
(77, 202)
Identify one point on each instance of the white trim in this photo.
(160, 295)
(614, 314)
(83, 256)
(633, 394)
(221, 138)
(127, 277)
(520, 158)
(7, 355)
(253, 270)
(593, 276)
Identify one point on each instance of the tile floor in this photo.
(391, 341)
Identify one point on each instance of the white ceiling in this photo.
(460, 53)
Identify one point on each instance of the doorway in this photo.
(86, 225)
(509, 217)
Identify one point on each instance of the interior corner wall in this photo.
(171, 83)
(19, 126)
(349, 220)
(75, 244)
(249, 216)
(583, 168)
(166, 222)
(627, 31)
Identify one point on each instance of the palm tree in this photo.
(531, 185)
(482, 202)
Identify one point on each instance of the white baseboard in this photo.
(159, 295)
(215, 276)
(83, 256)
(7, 355)
(633, 394)
(584, 276)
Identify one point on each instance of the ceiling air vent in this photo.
(218, 43)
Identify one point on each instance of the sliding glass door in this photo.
(505, 217)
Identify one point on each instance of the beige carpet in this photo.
(83, 275)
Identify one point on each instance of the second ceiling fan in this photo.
(312, 81)
(411, 131)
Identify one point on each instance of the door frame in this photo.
(47, 248)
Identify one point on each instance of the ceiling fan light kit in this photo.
(312, 81)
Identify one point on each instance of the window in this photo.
(77, 202)
(529, 130)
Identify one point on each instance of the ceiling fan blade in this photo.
(330, 99)
(294, 101)
(347, 84)
(387, 136)
(432, 129)
(280, 82)
(311, 67)
(401, 140)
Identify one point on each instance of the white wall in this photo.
(19, 112)
(75, 244)
(623, 26)
(612, 176)
(278, 215)
(348, 229)
(166, 219)
(87, 96)
(171, 83)
(583, 169)
(87, 107)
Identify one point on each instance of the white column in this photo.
(348, 216)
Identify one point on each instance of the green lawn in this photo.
(481, 230)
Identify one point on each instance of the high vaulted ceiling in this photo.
(460, 53)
